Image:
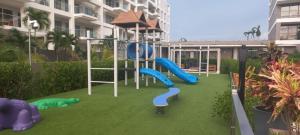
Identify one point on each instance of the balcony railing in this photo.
(43, 2)
(61, 5)
(112, 3)
(83, 33)
(10, 20)
(85, 10)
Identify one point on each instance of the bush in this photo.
(18, 81)
(11, 53)
(231, 65)
(15, 80)
(295, 57)
(222, 106)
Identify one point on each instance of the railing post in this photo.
(242, 72)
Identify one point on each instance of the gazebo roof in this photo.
(153, 26)
(130, 19)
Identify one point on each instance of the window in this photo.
(292, 32)
(290, 11)
(289, 32)
(8, 17)
(294, 11)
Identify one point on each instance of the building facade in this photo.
(79, 16)
(284, 22)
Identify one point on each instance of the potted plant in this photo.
(278, 86)
(286, 86)
(258, 85)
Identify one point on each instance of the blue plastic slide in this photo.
(166, 63)
(131, 50)
(163, 78)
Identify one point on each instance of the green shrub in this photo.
(15, 80)
(295, 57)
(60, 77)
(222, 106)
(11, 53)
(229, 65)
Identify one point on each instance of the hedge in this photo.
(18, 81)
(231, 65)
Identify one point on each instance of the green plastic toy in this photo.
(44, 104)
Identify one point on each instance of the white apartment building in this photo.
(284, 23)
(78, 16)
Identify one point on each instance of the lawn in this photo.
(132, 113)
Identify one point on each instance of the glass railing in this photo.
(10, 20)
(42, 2)
(83, 33)
(62, 29)
(61, 6)
(112, 3)
(85, 10)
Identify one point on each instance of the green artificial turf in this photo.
(133, 113)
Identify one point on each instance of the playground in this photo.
(133, 113)
(162, 93)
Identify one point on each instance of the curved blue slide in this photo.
(163, 78)
(166, 63)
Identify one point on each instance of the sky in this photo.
(217, 19)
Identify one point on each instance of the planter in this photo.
(262, 124)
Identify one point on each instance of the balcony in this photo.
(61, 5)
(142, 4)
(10, 20)
(82, 33)
(42, 2)
(86, 13)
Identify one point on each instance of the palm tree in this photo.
(57, 39)
(62, 41)
(71, 40)
(17, 38)
(40, 16)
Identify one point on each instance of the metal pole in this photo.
(207, 61)
(88, 46)
(242, 72)
(116, 36)
(154, 54)
(169, 56)
(147, 51)
(180, 54)
(126, 59)
(137, 57)
(200, 60)
(160, 56)
(219, 61)
(29, 41)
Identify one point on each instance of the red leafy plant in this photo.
(278, 85)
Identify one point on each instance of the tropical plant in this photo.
(17, 38)
(62, 41)
(40, 16)
(285, 86)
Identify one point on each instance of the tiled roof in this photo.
(130, 19)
